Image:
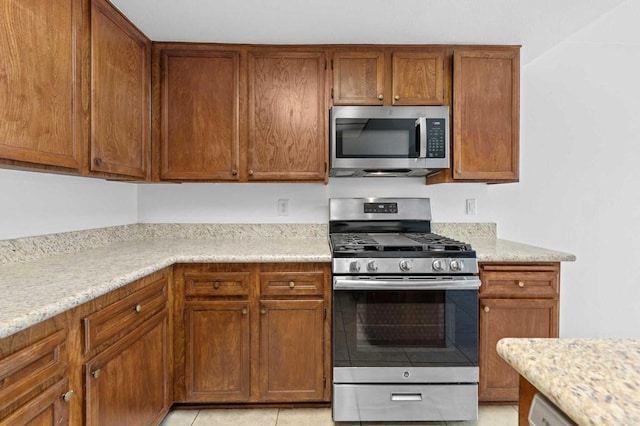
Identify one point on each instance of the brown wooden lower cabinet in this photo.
(252, 333)
(34, 375)
(516, 300)
(127, 383)
(292, 350)
(217, 349)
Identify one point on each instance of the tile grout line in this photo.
(195, 418)
(277, 417)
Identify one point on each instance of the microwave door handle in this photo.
(421, 123)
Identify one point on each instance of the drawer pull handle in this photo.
(263, 311)
(520, 284)
(487, 309)
(234, 172)
(216, 285)
(381, 97)
(96, 373)
(406, 397)
(396, 97)
(292, 284)
(138, 307)
(244, 311)
(66, 397)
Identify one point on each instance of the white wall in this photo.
(38, 203)
(308, 203)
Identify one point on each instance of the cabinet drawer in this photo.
(217, 283)
(29, 369)
(292, 283)
(519, 280)
(124, 315)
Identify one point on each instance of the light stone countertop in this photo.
(594, 381)
(498, 250)
(36, 290)
(40, 284)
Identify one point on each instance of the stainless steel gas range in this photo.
(405, 314)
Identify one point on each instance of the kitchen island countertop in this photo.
(594, 381)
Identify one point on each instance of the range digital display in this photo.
(381, 208)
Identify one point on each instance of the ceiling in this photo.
(537, 25)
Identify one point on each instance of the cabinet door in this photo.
(49, 408)
(358, 78)
(291, 350)
(127, 384)
(486, 114)
(217, 351)
(120, 94)
(287, 116)
(42, 63)
(418, 78)
(509, 318)
(200, 112)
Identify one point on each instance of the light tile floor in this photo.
(498, 415)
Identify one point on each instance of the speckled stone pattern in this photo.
(594, 381)
(40, 289)
(464, 231)
(32, 248)
(43, 276)
(498, 250)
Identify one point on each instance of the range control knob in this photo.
(456, 265)
(405, 265)
(354, 266)
(437, 265)
(371, 266)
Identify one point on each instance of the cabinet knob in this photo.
(244, 311)
(98, 161)
(459, 171)
(520, 284)
(396, 97)
(292, 284)
(263, 311)
(380, 97)
(96, 373)
(66, 397)
(138, 308)
(487, 309)
(234, 172)
(250, 172)
(216, 284)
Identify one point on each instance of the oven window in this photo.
(376, 138)
(400, 328)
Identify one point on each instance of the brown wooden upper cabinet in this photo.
(120, 141)
(287, 115)
(240, 113)
(388, 77)
(41, 83)
(199, 114)
(486, 115)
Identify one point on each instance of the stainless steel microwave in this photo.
(389, 141)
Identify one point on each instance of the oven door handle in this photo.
(449, 283)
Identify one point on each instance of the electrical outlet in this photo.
(471, 206)
(283, 207)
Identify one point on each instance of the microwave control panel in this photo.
(436, 137)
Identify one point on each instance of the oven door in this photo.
(415, 328)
